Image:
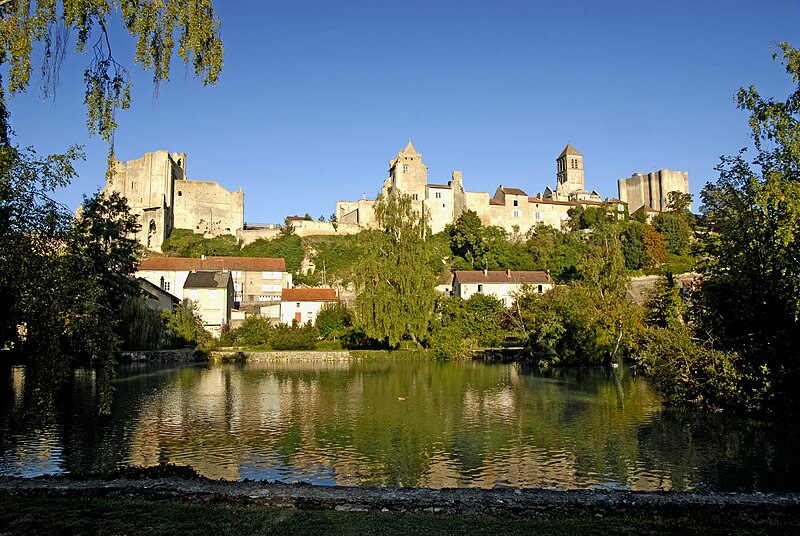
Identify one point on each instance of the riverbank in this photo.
(168, 505)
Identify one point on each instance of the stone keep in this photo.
(651, 189)
(162, 197)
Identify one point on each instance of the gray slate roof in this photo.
(207, 280)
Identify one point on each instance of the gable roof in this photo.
(308, 294)
(207, 279)
(508, 276)
(222, 264)
(569, 150)
(513, 191)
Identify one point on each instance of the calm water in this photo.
(399, 422)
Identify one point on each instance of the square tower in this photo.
(570, 172)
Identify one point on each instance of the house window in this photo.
(405, 168)
(480, 288)
(415, 197)
(516, 202)
(438, 195)
(298, 305)
(539, 289)
(263, 298)
(237, 274)
(516, 214)
(166, 286)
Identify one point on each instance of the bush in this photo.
(687, 372)
(254, 331)
(334, 320)
(294, 338)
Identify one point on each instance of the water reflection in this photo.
(399, 422)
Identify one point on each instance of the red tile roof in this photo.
(509, 276)
(308, 294)
(223, 264)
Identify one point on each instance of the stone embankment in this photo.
(234, 354)
(520, 503)
(188, 355)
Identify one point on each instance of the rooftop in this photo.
(308, 294)
(223, 264)
(207, 279)
(507, 276)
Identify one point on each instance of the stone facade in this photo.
(160, 194)
(650, 190)
(509, 208)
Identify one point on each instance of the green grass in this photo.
(35, 515)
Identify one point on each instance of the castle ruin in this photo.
(160, 194)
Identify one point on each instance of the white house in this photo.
(303, 304)
(500, 284)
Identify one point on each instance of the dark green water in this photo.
(399, 422)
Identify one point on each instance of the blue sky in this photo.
(317, 96)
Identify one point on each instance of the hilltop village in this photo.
(228, 289)
(160, 193)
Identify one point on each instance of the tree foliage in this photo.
(334, 320)
(463, 325)
(157, 27)
(751, 294)
(395, 293)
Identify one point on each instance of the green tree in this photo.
(667, 308)
(154, 25)
(553, 250)
(334, 320)
(749, 304)
(633, 246)
(394, 281)
(186, 325)
(676, 229)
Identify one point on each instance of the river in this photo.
(398, 421)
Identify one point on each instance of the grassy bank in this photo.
(54, 515)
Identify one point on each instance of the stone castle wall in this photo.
(161, 196)
(208, 208)
(651, 189)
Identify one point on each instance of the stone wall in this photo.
(208, 208)
(160, 195)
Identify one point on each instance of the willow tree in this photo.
(157, 25)
(394, 280)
